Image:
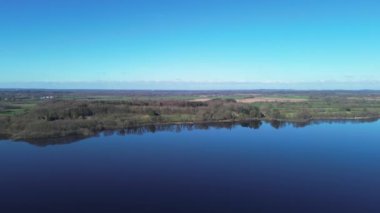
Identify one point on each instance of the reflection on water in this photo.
(230, 167)
(254, 124)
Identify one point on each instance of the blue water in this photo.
(320, 168)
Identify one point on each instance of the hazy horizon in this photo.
(181, 85)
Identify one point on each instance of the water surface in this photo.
(319, 168)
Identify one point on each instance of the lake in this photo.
(250, 167)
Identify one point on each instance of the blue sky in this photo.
(323, 44)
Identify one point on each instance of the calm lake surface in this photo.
(318, 168)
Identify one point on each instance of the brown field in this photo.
(365, 98)
(261, 99)
(257, 100)
(201, 99)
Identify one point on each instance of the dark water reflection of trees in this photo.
(255, 124)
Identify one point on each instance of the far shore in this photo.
(26, 115)
(221, 123)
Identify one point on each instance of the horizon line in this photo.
(196, 85)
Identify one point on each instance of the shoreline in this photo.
(210, 123)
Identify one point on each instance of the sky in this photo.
(190, 44)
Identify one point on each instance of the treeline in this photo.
(65, 118)
(61, 118)
(201, 111)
